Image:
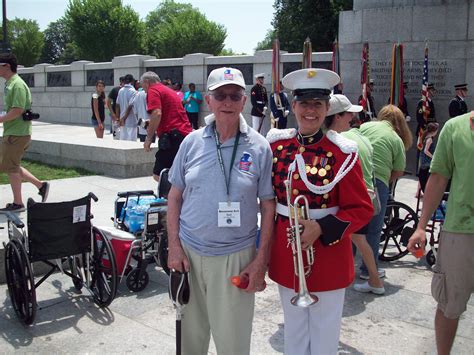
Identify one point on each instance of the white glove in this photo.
(265, 108)
(408, 118)
(286, 113)
(277, 119)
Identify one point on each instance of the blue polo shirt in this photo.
(197, 173)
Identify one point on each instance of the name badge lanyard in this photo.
(221, 160)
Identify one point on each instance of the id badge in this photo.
(228, 214)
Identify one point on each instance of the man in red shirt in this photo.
(167, 117)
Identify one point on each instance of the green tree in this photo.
(26, 40)
(103, 29)
(56, 38)
(175, 30)
(295, 20)
(267, 42)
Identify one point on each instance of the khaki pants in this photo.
(12, 150)
(216, 306)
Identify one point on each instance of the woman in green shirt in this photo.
(391, 138)
(340, 116)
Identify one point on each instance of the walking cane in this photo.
(179, 294)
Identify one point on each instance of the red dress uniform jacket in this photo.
(334, 265)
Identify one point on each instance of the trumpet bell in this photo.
(305, 300)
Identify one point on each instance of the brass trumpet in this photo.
(303, 298)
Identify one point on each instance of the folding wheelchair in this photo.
(61, 236)
(137, 247)
(400, 223)
(437, 219)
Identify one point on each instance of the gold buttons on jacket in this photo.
(324, 205)
(296, 176)
(322, 172)
(329, 154)
(325, 181)
(275, 160)
(326, 196)
(280, 147)
(302, 149)
(296, 192)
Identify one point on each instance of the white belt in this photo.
(314, 213)
(260, 102)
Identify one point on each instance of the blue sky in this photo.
(247, 21)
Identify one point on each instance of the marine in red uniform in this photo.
(325, 169)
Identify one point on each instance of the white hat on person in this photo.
(311, 83)
(340, 103)
(225, 76)
(259, 75)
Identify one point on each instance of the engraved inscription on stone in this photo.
(59, 79)
(173, 73)
(106, 75)
(246, 69)
(29, 79)
(288, 67)
(439, 73)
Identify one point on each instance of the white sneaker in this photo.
(365, 287)
(381, 273)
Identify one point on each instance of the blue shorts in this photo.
(95, 123)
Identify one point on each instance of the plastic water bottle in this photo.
(133, 221)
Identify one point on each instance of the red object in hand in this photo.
(243, 282)
(240, 281)
(418, 253)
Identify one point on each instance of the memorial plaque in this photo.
(59, 79)
(440, 73)
(29, 79)
(288, 67)
(173, 73)
(246, 69)
(106, 75)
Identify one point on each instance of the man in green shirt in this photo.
(16, 133)
(453, 278)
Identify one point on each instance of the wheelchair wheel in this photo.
(400, 222)
(20, 281)
(135, 282)
(163, 253)
(102, 270)
(430, 258)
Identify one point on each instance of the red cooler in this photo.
(121, 243)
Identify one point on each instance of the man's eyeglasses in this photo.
(236, 97)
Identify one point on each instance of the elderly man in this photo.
(167, 118)
(218, 174)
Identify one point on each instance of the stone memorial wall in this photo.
(446, 26)
(61, 93)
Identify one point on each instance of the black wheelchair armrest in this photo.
(136, 193)
(93, 196)
(14, 219)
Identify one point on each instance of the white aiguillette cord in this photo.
(299, 164)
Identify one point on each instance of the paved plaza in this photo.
(400, 322)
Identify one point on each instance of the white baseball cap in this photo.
(340, 103)
(225, 76)
(311, 83)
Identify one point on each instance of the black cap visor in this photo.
(311, 94)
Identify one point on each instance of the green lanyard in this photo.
(221, 160)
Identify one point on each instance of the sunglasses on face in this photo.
(219, 96)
